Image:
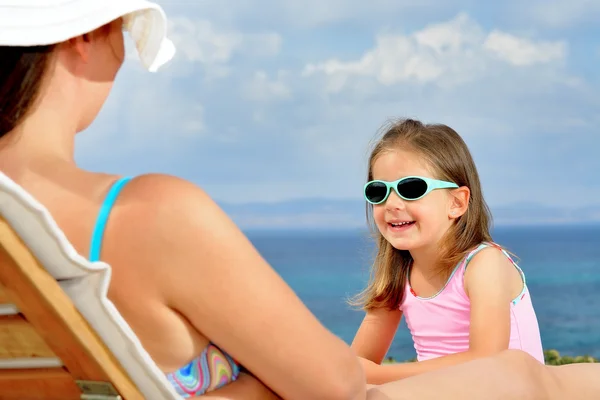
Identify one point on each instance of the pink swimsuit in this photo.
(440, 324)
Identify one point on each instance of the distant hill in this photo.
(314, 213)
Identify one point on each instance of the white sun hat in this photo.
(44, 22)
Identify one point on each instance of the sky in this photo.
(277, 101)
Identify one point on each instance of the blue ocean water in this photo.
(561, 263)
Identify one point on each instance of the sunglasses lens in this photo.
(375, 192)
(412, 188)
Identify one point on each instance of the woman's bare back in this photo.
(74, 198)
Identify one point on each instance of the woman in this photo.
(185, 278)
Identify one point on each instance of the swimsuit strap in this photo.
(102, 219)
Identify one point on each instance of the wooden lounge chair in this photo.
(60, 336)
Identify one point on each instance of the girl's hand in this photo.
(376, 333)
(372, 369)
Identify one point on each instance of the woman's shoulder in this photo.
(162, 203)
(165, 220)
(156, 189)
(166, 203)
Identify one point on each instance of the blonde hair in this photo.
(449, 158)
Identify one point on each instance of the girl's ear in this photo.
(459, 202)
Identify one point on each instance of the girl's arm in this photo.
(491, 282)
(375, 334)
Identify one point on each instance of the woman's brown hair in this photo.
(449, 158)
(22, 70)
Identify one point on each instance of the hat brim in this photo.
(146, 22)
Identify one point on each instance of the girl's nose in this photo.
(395, 202)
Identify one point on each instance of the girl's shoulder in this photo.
(491, 269)
(487, 255)
(489, 246)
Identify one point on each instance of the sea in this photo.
(561, 264)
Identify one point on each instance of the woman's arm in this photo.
(212, 275)
(489, 282)
(246, 387)
(376, 333)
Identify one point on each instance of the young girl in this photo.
(462, 295)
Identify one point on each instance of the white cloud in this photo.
(264, 89)
(262, 44)
(446, 54)
(522, 51)
(200, 41)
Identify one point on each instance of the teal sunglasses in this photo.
(409, 188)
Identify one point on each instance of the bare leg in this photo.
(512, 375)
(578, 381)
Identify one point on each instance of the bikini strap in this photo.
(102, 219)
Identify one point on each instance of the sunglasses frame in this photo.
(432, 184)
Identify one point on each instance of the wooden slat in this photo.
(48, 384)
(19, 339)
(4, 299)
(50, 311)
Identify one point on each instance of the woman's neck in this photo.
(47, 133)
